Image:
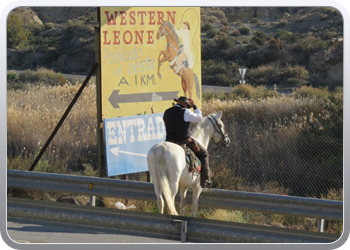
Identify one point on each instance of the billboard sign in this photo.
(128, 140)
(149, 56)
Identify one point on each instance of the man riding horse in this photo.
(177, 123)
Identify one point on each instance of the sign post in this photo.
(242, 73)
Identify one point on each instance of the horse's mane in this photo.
(173, 29)
(196, 126)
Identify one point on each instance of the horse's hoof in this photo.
(160, 77)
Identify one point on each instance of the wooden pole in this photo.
(54, 132)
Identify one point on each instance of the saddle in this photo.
(175, 63)
(192, 161)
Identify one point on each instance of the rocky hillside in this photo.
(65, 40)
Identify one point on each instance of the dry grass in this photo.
(33, 113)
(32, 116)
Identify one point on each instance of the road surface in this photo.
(30, 231)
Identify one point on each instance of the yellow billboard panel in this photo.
(149, 56)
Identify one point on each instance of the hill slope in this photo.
(283, 40)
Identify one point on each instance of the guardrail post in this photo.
(93, 201)
(183, 229)
(320, 224)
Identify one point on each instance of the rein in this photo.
(219, 130)
(162, 33)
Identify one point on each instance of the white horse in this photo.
(167, 165)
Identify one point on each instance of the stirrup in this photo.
(207, 184)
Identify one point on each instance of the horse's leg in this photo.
(161, 60)
(183, 192)
(196, 191)
(173, 189)
(189, 81)
(183, 84)
(160, 201)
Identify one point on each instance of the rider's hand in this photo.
(192, 103)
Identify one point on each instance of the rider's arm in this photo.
(195, 116)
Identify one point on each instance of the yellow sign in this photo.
(149, 56)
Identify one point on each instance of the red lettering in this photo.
(139, 37)
(171, 16)
(150, 37)
(132, 17)
(111, 19)
(160, 17)
(143, 13)
(105, 38)
(130, 37)
(116, 37)
(123, 18)
(140, 17)
(151, 17)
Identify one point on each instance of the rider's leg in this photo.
(203, 156)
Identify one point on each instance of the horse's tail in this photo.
(197, 86)
(162, 172)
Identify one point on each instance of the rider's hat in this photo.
(184, 99)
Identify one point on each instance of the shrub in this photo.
(207, 26)
(244, 91)
(225, 29)
(211, 32)
(42, 43)
(256, 20)
(48, 26)
(263, 75)
(11, 77)
(258, 40)
(286, 35)
(236, 33)
(19, 29)
(77, 28)
(42, 75)
(244, 30)
(297, 74)
(306, 91)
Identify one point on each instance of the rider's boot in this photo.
(205, 179)
(203, 156)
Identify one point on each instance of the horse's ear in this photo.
(218, 115)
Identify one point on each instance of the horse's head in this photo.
(220, 137)
(162, 30)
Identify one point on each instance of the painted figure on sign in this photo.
(180, 57)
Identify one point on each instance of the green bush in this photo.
(244, 30)
(297, 74)
(207, 26)
(42, 75)
(263, 75)
(48, 26)
(212, 32)
(245, 91)
(11, 77)
(42, 43)
(19, 29)
(306, 91)
(258, 40)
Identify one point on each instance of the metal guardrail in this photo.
(226, 199)
(161, 226)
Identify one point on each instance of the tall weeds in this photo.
(265, 155)
(32, 116)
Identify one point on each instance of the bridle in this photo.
(162, 33)
(224, 137)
